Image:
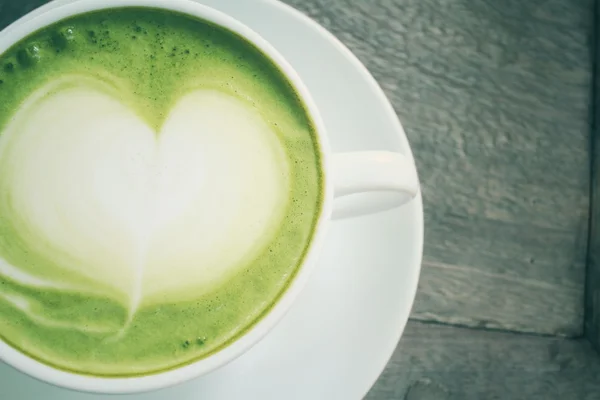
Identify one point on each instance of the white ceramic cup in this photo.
(391, 176)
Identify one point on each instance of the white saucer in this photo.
(339, 335)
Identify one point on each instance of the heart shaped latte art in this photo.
(121, 209)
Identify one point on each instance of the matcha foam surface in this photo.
(159, 185)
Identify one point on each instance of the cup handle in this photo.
(383, 180)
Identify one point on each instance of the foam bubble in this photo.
(62, 37)
(29, 55)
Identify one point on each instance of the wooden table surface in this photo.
(495, 97)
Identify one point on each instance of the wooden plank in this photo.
(485, 286)
(592, 298)
(494, 97)
(435, 362)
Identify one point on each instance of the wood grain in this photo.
(494, 97)
(592, 298)
(435, 362)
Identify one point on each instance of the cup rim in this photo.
(22, 28)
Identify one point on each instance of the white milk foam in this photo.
(154, 216)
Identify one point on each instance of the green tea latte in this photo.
(160, 182)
